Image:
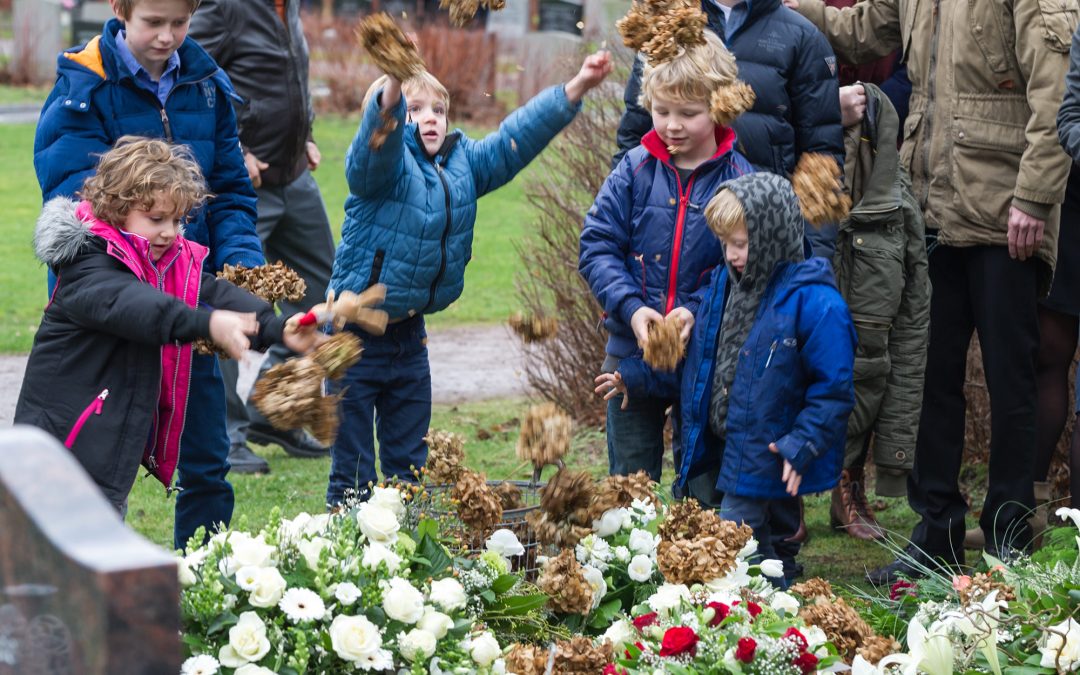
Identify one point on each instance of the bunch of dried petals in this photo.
(815, 587)
(271, 282)
(618, 492)
(664, 347)
(462, 11)
(819, 185)
(661, 29)
(696, 546)
(730, 101)
(563, 580)
(446, 455)
(841, 623)
(337, 354)
(579, 656)
(391, 51)
(477, 504)
(535, 328)
(877, 647)
(564, 516)
(545, 435)
(982, 584)
(509, 495)
(524, 659)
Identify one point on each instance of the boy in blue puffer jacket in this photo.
(645, 248)
(409, 224)
(766, 387)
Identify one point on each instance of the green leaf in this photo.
(427, 528)
(436, 561)
(488, 596)
(519, 604)
(504, 583)
(223, 621)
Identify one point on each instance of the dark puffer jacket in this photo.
(792, 70)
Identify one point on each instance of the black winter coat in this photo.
(791, 69)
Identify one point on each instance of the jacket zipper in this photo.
(445, 235)
(93, 409)
(676, 242)
(772, 350)
(166, 125)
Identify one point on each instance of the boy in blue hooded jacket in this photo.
(766, 387)
(409, 224)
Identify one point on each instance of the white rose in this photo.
(748, 549)
(247, 642)
(784, 602)
(185, 573)
(252, 669)
(355, 639)
(772, 568)
(815, 637)
(668, 596)
(619, 634)
(417, 644)
(378, 523)
(269, 587)
(311, 549)
(347, 593)
(402, 602)
(595, 579)
(609, 523)
(388, 498)
(484, 649)
(643, 542)
(622, 554)
(375, 553)
(204, 664)
(499, 667)
(448, 594)
(640, 568)
(505, 543)
(246, 551)
(1060, 652)
(435, 622)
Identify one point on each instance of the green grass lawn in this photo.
(489, 295)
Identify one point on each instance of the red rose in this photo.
(806, 662)
(753, 608)
(722, 612)
(798, 638)
(644, 620)
(900, 589)
(679, 640)
(610, 669)
(744, 650)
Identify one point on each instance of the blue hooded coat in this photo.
(793, 376)
(96, 100)
(409, 217)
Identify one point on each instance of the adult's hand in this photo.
(255, 167)
(852, 104)
(792, 4)
(1025, 234)
(314, 157)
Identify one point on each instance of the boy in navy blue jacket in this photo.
(645, 248)
(143, 76)
(766, 388)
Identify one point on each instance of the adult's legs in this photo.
(1057, 344)
(206, 497)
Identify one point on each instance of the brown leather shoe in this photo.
(850, 511)
(801, 534)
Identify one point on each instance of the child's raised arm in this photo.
(370, 171)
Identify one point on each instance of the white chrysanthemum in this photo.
(302, 604)
(247, 577)
(347, 593)
(449, 594)
(247, 642)
(204, 664)
(505, 543)
(401, 601)
(417, 645)
(640, 568)
(375, 553)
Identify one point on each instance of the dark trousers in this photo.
(635, 436)
(757, 515)
(294, 229)
(977, 289)
(387, 393)
(206, 498)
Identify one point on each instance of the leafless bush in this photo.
(572, 170)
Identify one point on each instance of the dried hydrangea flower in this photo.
(478, 505)
(664, 347)
(545, 435)
(819, 185)
(386, 44)
(813, 588)
(696, 545)
(271, 282)
(877, 647)
(509, 495)
(579, 656)
(563, 580)
(564, 515)
(524, 659)
(534, 328)
(841, 623)
(619, 492)
(338, 354)
(662, 29)
(730, 101)
(446, 456)
(289, 393)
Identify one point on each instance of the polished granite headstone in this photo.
(80, 593)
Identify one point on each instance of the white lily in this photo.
(980, 620)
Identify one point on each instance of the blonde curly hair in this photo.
(693, 75)
(137, 173)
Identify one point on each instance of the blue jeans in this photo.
(206, 498)
(388, 393)
(756, 514)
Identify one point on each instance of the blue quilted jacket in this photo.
(645, 240)
(96, 101)
(409, 217)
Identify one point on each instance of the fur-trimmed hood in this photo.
(60, 234)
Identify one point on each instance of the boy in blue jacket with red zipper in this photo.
(645, 248)
(766, 387)
(143, 76)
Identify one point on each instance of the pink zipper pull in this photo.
(100, 401)
(92, 409)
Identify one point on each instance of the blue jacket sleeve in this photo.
(497, 158)
(370, 171)
(642, 381)
(67, 143)
(231, 214)
(1068, 118)
(815, 99)
(827, 357)
(635, 121)
(605, 246)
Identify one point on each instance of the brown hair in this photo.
(123, 7)
(724, 213)
(692, 76)
(137, 172)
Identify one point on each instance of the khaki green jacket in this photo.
(987, 79)
(881, 270)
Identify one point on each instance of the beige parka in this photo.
(987, 80)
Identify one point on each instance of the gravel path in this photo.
(467, 364)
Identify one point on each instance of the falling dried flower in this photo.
(289, 393)
(478, 505)
(324, 421)
(391, 51)
(563, 580)
(564, 516)
(534, 328)
(819, 185)
(730, 101)
(339, 353)
(664, 347)
(661, 29)
(545, 435)
(446, 455)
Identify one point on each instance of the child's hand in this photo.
(593, 71)
(302, 339)
(639, 323)
(687, 318)
(790, 477)
(229, 330)
(610, 385)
